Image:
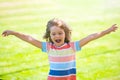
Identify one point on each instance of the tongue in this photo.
(58, 41)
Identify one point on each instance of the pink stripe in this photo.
(62, 59)
(48, 46)
(71, 77)
(59, 48)
(72, 45)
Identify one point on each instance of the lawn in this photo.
(99, 60)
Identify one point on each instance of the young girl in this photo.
(61, 52)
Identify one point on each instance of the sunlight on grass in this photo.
(99, 60)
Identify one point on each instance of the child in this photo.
(61, 52)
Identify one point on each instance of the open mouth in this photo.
(58, 40)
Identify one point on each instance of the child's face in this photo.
(57, 35)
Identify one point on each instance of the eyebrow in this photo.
(57, 31)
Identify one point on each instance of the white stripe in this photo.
(63, 69)
(62, 55)
(65, 52)
(63, 62)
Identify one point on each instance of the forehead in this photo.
(56, 29)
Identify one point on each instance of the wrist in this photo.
(13, 32)
(106, 31)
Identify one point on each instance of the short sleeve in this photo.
(44, 46)
(77, 46)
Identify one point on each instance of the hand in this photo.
(113, 28)
(7, 32)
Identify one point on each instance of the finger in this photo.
(3, 35)
(115, 28)
(4, 32)
(114, 24)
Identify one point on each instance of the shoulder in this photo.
(75, 45)
(46, 46)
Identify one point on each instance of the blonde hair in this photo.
(58, 23)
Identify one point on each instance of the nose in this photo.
(57, 35)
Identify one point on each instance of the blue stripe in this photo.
(62, 72)
(44, 46)
(77, 45)
(63, 65)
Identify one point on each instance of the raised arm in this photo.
(94, 36)
(23, 37)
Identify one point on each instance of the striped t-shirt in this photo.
(62, 60)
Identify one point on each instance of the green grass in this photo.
(99, 60)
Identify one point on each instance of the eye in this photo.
(60, 33)
(53, 34)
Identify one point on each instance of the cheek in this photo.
(64, 35)
(52, 37)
